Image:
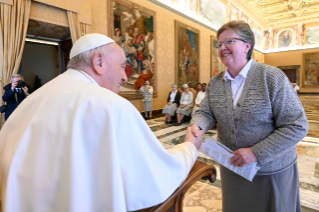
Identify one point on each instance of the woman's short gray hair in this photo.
(185, 86)
(243, 30)
(174, 86)
(17, 75)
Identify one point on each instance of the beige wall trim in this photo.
(62, 4)
(10, 2)
(82, 7)
(37, 18)
(48, 14)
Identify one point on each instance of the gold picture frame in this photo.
(133, 28)
(187, 55)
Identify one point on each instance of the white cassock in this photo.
(75, 146)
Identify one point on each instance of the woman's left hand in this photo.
(243, 157)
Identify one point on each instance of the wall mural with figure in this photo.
(212, 13)
(258, 37)
(310, 72)
(186, 54)
(133, 28)
(311, 34)
(285, 39)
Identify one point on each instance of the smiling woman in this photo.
(260, 118)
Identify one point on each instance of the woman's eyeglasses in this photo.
(227, 42)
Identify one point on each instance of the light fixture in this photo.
(42, 41)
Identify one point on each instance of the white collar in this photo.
(81, 75)
(243, 72)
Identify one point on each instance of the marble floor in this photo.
(206, 197)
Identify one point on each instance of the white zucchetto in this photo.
(88, 42)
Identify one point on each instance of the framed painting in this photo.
(186, 55)
(292, 72)
(216, 64)
(132, 27)
(310, 73)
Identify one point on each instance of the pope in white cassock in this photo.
(74, 145)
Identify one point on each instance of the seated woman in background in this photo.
(172, 103)
(147, 90)
(186, 105)
(200, 96)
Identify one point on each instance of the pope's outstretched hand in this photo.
(195, 138)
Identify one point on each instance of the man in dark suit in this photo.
(14, 95)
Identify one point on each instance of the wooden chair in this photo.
(194, 95)
(199, 171)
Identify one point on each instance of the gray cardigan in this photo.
(269, 116)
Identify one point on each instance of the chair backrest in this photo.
(199, 171)
(194, 94)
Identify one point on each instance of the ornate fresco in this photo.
(276, 12)
(133, 29)
(277, 24)
(187, 52)
(310, 72)
(48, 30)
(212, 13)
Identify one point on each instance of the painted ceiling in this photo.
(48, 30)
(276, 13)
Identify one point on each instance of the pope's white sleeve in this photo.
(186, 153)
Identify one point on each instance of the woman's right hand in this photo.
(169, 103)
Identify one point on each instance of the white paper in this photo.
(222, 154)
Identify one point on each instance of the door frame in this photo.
(296, 67)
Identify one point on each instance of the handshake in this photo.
(194, 135)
